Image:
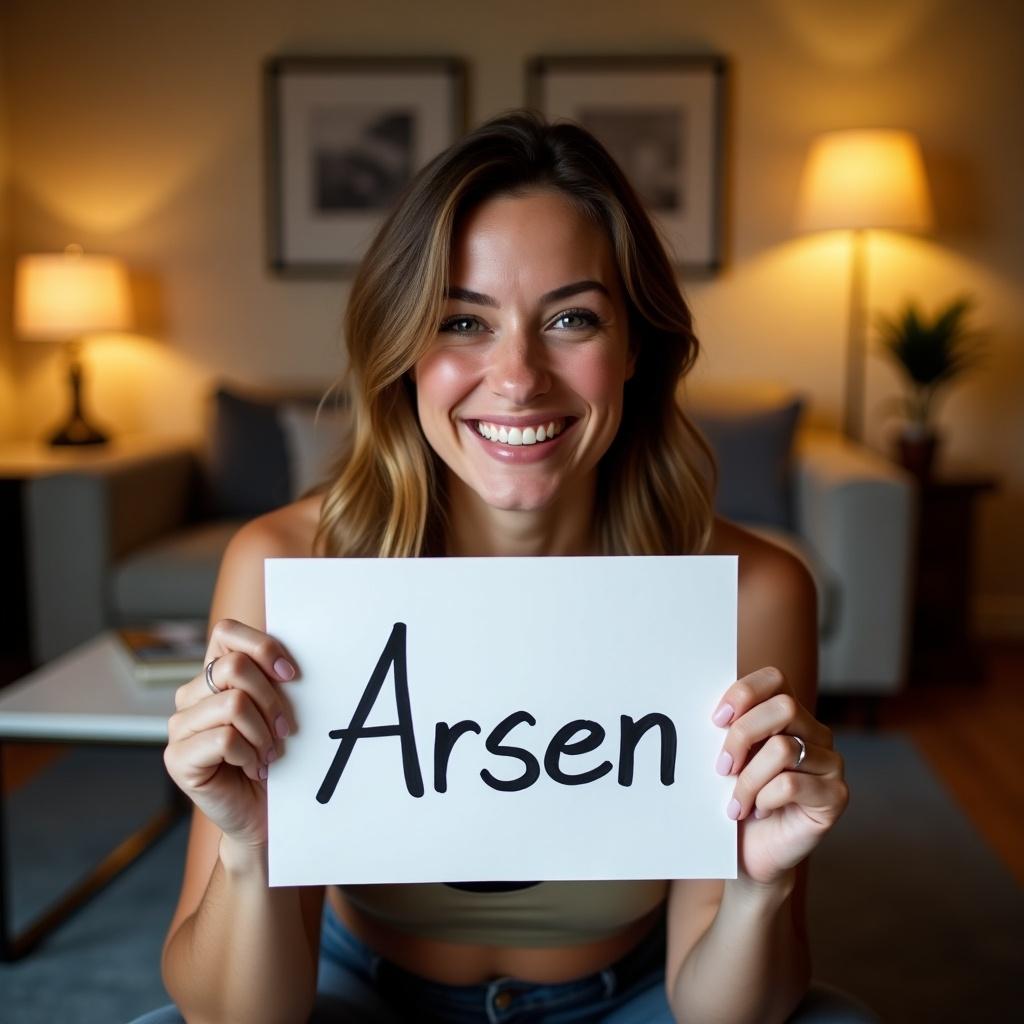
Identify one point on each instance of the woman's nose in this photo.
(518, 371)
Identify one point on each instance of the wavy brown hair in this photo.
(387, 495)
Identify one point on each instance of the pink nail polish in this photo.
(284, 669)
(723, 715)
(758, 813)
(263, 771)
(724, 764)
(734, 808)
(281, 726)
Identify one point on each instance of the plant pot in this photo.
(915, 452)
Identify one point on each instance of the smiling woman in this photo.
(516, 337)
(519, 284)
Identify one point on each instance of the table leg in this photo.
(13, 947)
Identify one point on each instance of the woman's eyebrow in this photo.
(479, 299)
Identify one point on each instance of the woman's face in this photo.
(521, 392)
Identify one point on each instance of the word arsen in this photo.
(446, 736)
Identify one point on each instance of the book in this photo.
(164, 653)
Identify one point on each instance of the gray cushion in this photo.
(753, 449)
(173, 578)
(248, 464)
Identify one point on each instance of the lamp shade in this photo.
(864, 179)
(64, 295)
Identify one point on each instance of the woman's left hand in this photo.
(783, 810)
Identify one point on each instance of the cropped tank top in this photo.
(510, 913)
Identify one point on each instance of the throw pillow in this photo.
(248, 464)
(753, 449)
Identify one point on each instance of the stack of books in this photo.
(164, 653)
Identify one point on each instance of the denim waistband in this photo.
(503, 999)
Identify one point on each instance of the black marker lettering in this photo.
(560, 745)
(493, 744)
(393, 654)
(445, 738)
(631, 733)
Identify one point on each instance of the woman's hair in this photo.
(387, 496)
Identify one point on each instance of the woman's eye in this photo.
(459, 325)
(575, 319)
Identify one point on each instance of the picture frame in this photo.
(662, 119)
(343, 136)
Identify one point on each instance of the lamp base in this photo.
(77, 431)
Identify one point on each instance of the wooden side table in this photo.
(943, 646)
(21, 462)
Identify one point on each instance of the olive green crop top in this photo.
(512, 913)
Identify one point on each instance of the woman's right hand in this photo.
(220, 744)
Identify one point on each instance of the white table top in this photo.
(86, 694)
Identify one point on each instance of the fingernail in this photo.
(271, 756)
(263, 771)
(733, 810)
(284, 669)
(724, 764)
(723, 715)
(758, 813)
(281, 726)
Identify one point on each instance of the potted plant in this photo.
(930, 353)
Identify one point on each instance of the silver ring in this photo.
(803, 753)
(214, 688)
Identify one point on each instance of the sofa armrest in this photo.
(80, 521)
(856, 512)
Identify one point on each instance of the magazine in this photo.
(164, 653)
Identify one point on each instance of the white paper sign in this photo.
(544, 673)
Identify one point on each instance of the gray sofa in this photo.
(142, 539)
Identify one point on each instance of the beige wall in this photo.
(136, 129)
(8, 404)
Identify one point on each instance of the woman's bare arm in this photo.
(739, 951)
(236, 949)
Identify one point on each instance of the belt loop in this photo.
(609, 979)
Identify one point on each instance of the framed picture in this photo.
(344, 135)
(661, 118)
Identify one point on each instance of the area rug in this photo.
(909, 909)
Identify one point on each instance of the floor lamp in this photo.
(62, 297)
(858, 180)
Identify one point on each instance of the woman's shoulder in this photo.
(767, 570)
(777, 608)
(764, 566)
(285, 532)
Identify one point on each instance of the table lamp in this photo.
(859, 180)
(63, 297)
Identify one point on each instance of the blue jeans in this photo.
(356, 986)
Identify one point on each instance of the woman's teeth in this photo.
(516, 436)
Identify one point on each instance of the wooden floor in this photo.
(972, 736)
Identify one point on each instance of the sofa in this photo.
(140, 541)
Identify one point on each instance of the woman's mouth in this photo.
(529, 434)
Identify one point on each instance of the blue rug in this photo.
(909, 909)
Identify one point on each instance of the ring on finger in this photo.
(801, 755)
(214, 688)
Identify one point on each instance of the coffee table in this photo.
(86, 696)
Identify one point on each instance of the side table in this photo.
(21, 462)
(943, 647)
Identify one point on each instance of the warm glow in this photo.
(864, 179)
(58, 296)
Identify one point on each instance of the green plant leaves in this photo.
(930, 352)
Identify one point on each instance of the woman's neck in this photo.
(477, 530)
